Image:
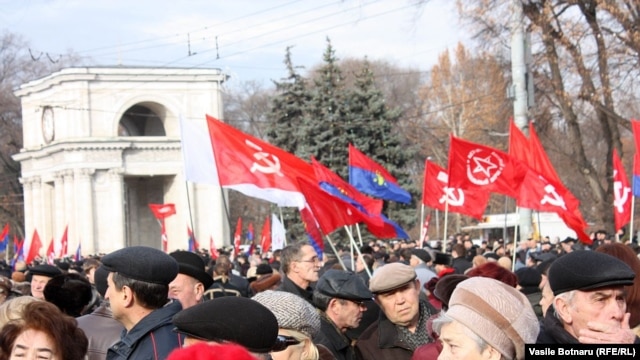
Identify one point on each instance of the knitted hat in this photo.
(292, 311)
(496, 312)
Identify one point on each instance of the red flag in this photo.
(424, 235)
(265, 236)
(478, 167)
(34, 248)
(257, 168)
(621, 193)
(335, 185)
(330, 211)
(436, 193)
(540, 194)
(519, 146)
(541, 162)
(65, 243)
(212, 248)
(5, 232)
(311, 228)
(237, 237)
(50, 253)
(161, 211)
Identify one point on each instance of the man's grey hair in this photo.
(290, 254)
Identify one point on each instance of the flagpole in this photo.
(515, 241)
(186, 185)
(359, 234)
(633, 204)
(335, 252)
(282, 222)
(422, 236)
(353, 265)
(366, 268)
(446, 220)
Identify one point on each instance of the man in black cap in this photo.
(210, 321)
(138, 286)
(567, 245)
(191, 282)
(402, 326)
(589, 302)
(340, 296)
(40, 276)
(420, 260)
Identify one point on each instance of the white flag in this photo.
(197, 153)
(278, 233)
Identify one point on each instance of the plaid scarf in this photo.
(421, 336)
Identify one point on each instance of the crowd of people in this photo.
(384, 300)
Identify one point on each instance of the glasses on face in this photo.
(283, 341)
(360, 304)
(314, 260)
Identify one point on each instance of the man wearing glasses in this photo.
(300, 266)
(340, 296)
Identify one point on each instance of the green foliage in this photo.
(323, 119)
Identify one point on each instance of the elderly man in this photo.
(300, 266)
(40, 276)
(589, 303)
(402, 326)
(341, 297)
(138, 284)
(191, 282)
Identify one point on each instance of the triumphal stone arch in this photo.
(101, 143)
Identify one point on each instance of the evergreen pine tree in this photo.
(287, 111)
(370, 126)
(325, 136)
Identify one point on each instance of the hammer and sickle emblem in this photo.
(620, 195)
(271, 163)
(451, 198)
(554, 199)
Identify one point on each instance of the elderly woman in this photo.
(43, 332)
(298, 322)
(486, 319)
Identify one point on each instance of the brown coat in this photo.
(380, 342)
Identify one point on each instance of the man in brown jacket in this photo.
(402, 326)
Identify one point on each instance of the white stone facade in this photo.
(100, 144)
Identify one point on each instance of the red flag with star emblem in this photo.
(482, 168)
(621, 193)
(436, 193)
(257, 168)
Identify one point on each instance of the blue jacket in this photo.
(150, 339)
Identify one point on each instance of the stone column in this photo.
(116, 237)
(69, 210)
(58, 205)
(29, 220)
(37, 204)
(84, 208)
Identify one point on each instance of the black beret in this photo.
(421, 254)
(45, 270)
(588, 270)
(69, 292)
(528, 277)
(256, 329)
(263, 269)
(568, 239)
(142, 263)
(100, 279)
(443, 259)
(344, 285)
(192, 265)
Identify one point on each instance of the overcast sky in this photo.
(246, 39)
